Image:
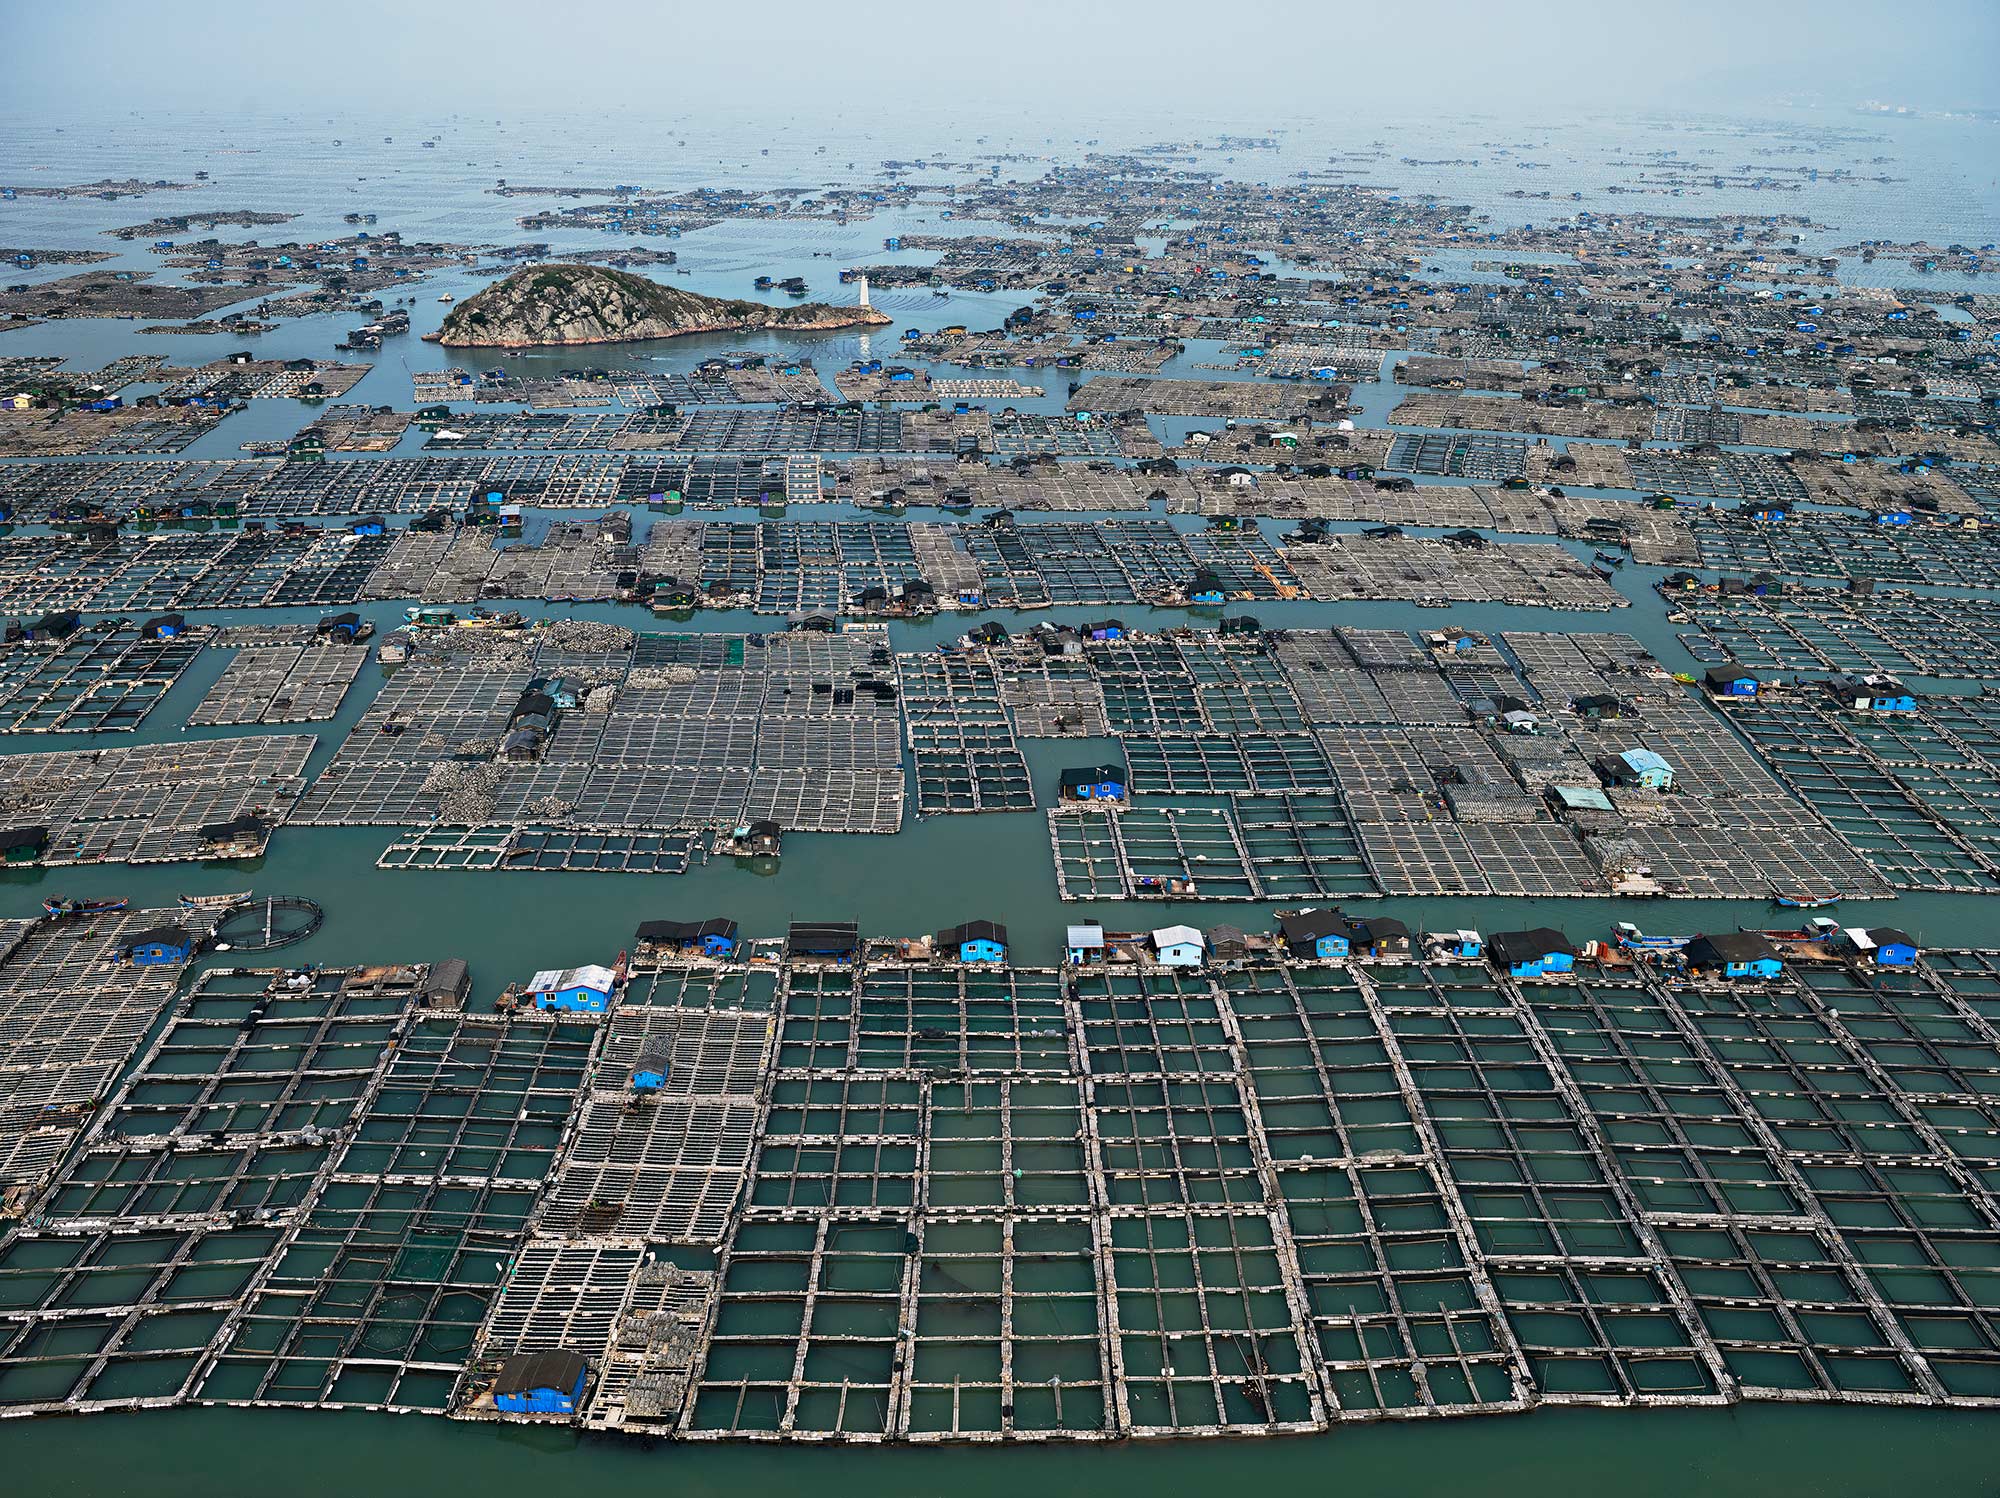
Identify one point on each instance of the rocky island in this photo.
(547, 305)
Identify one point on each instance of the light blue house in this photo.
(1083, 944)
(1891, 948)
(1646, 769)
(653, 1065)
(1178, 946)
(1461, 943)
(584, 990)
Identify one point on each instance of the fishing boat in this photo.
(1805, 901)
(214, 902)
(57, 908)
(447, 297)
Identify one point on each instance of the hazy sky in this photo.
(1013, 62)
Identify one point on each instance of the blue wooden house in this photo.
(579, 990)
(975, 941)
(1316, 933)
(1892, 948)
(541, 1383)
(1729, 681)
(1873, 693)
(1094, 783)
(714, 937)
(1532, 954)
(1205, 587)
(652, 1066)
(160, 947)
(1734, 954)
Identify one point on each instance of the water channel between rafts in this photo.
(936, 872)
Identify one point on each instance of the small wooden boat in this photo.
(58, 908)
(1803, 902)
(214, 902)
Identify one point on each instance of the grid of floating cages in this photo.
(543, 850)
(1673, 1129)
(1230, 764)
(961, 738)
(246, 1058)
(1890, 1282)
(72, 1014)
(109, 1320)
(1008, 1339)
(377, 1298)
(677, 986)
(1206, 1324)
(806, 1337)
(279, 683)
(231, 1117)
(1054, 698)
(1403, 1323)
(1137, 703)
(963, 1020)
(1890, 632)
(665, 1169)
(380, 1291)
(1018, 1204)
(668, 1164)
(105, 678)
(472, 1099)
(816, 1027)
(1821, 544)
(1247, 847)
(1915, 828)
(1572, 1259)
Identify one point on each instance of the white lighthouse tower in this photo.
(864, 291)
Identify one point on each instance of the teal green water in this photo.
(1752, 1451)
